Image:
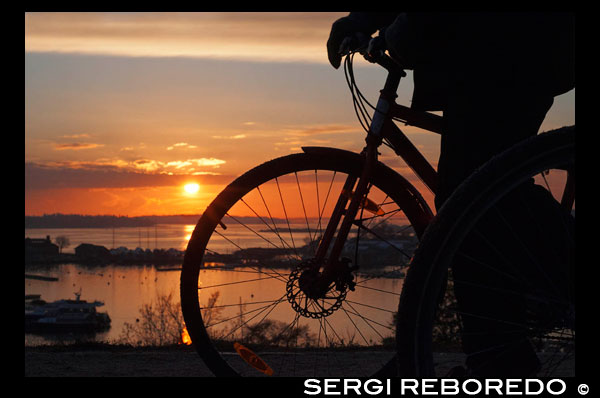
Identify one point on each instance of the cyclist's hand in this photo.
(365, 23)
(345, 31)
(340, 30)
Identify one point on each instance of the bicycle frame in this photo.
(382, 127)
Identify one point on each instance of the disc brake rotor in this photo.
(305, 300)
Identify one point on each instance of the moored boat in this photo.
(65, 316)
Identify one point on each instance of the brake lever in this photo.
(345, 46)
(372, 49)
(357, 42)
(375, 49)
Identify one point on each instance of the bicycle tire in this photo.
(425, 282)
(403, 194)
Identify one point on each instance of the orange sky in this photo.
(123, 109)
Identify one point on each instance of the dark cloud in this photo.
(38, 176)
(76, 146)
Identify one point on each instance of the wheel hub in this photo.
(308, 297)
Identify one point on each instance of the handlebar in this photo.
(373, 50)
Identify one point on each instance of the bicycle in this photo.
(546, 294)
(327, 318)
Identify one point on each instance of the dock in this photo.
(41, 278)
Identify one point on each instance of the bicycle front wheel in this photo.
(491, 283)
(243, 283)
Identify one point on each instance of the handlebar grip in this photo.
(357, 42)
(373, 50)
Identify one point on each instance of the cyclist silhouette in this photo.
(494, 76)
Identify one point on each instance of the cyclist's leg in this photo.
(519, 249)
(478, 127)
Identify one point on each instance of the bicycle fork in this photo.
(333, 266)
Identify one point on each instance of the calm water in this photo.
(125, 289)
(163, 236)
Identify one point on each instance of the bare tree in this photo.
(62, 242)
(161, 322)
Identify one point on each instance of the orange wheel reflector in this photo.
(252, 359)
(366, 204)
(185, 337)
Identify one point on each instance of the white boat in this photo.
(65, 315)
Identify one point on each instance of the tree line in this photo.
(104, 221)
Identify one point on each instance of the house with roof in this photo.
(92, 253)
(39, 249)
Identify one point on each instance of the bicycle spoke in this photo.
(327, 196)
(359, 224)
(318, 227)
(268, 226)
(272, 305)
(254, 232)
(243, 271)
(370, 306)
(304, 209)
(527, 251)
(286, 217)
(353, 323)
(374, 217)
(246, 313)
(238, 282)
(368, 321)
(385, 274)
(379, 290)
(283, 242)
(237, 304)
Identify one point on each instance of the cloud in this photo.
(76, 136)
(146, 165)
(231, 137)
(208, 162)
(110, 175)
(271, 36)
(202, 162)
(76, 146)
(181, 145)
(320, 129)
(150, 166)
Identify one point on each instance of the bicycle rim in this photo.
(431, 325)
(244, 277)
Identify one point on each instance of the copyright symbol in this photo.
(583, 389)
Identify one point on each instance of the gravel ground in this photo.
(176, 362)
(118, 361)
(113, 362)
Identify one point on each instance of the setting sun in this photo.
(191, 188)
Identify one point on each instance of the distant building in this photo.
(36, 248)
(89, 252)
